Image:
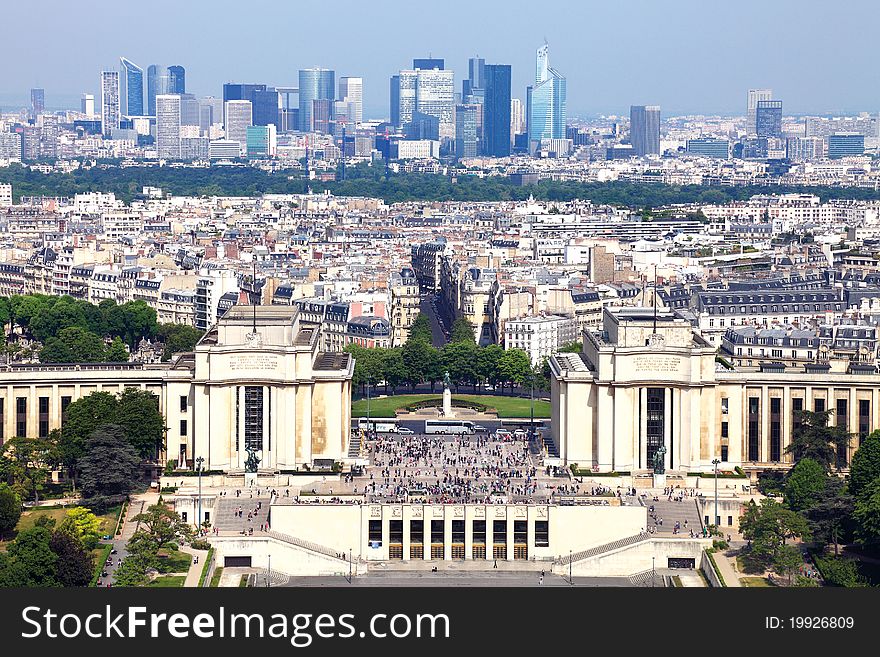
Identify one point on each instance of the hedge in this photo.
(715, 566)
(205, 567)
(457, 403)
(101, 563)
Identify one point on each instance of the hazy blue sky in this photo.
(695, 56)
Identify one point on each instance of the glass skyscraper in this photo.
(154, 87)
(109, 102)
(644, 129)
(466, 130)
(768, 118)
(496, 110)
(132, 88)
(547, 117)
(176, 80)
(314, 84)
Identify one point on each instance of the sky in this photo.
(688, 56)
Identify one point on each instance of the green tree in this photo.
(137, 411)
(142, 556)
(787, 560)
(26, 464)
(805, 484)
(116, 352)
(73, 345)
(31, 562)
(394, 371)
(830, 518)
(421, 330)
(867, 515)
(767, 527)
(178, 338)
(110, 464)
(417, 356)
(10, 508)
(75, 564)
(815, 439)
(84, 416)
(515, 367)
(841, 571)
(163, 525)
(460, 360)
(571, 348)
(81, 523)
(488, 358)
(462, 331)
(865, 466)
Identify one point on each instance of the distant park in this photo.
(504, 407)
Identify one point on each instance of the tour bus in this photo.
(380, 425)
(449, 426)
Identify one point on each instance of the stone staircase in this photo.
(647, 578)
(224, 513)
(672, 512)
(601, 549)
(308, 545)
(274, 578)
(354, 446)
(549, 445)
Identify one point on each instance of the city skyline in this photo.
(604, 75)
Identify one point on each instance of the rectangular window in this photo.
(436, 531)
(542, 533)
(724, 450)
(656, 407)
(864, 419)
(797, 407)
(499, 531)
(65, 402)
(416, 531)
(819, 405)
(43, 417)
(775, 429)
(375, 530)
(479, 532)
(237, 416)
(458, 531)
(253, 418)
(725, 404)
(395, 531)
(520, 531)
(725, 430)
(183, 428)
(184, 403)
(753, 429)
(842, 420)
(21, 417)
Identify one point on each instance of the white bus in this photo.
(380, 425)
(449, 426)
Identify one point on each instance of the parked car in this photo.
(405, 431)
(520, 433)
(479, 428)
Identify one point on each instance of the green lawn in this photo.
(167, 581)
(215, 578)
(506, 407)
(755, 582)
(174, 561)
(29, 518)
(242, 583)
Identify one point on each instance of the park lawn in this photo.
(756, 582)
(506, 407)
(167, 581)
(174, 561)
(29, 518)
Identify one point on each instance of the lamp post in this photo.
(716, 463)
(269, 575)
(199, 462)
(570, 580)
(349, 565)
(653, 572)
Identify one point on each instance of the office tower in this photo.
(10, 146)
(547, 115)
(314, 84)
(476, 68)
(176, 80)
(428, 63)
(466, 130)
(496, 110)
(644, 129)
(768, 118)
(154, 87)
(322, 115)
(422, 126)
(235, 91)
(168, 122)
(30, 142)
(517, 117)
(87, 104)
(189, 110)
(132, 88)
(755, 95)
(709, 147)
(210, 113)
(395, 100)
(267, 105)
(38, 101)
(49, 138)
(845, 145)
(435, 96)
(351, 90)
(109, 102)
(804, 149)
(403, 91)
(239, 115)
(261, 141)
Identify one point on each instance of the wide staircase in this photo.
(602, 549)
(672, 512)
(309, 545)
(549, 445)
(354, 445)
(226, 519)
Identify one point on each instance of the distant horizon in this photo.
(669, 54)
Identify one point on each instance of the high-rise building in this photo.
(435, 96)
(422, 126)
(261, 141)
(49, 137)
(466, 130)
(496, 110)
(210, 113)
(189, 110)
(176, 80)
(768, 118)
(235, 91)
(644, 129)
(267, 105)
(168, 122)
(110, 111)
(132, 88)
(547, 112)
(87, 104)
(154, 87)
(10, 146)
(394, 97)
(403, 91)
(239, 115)
(475, 79)
(314, 84)
(755, 95)
(709, 147)
(428, 63)
(804, 149)
(351, 90)
(322, 115)
(38, 101)
(31, 143)
(845, 145)
(517, 117)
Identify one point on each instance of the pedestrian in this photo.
(495, 565)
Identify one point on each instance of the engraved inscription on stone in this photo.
(253, 362)
(375, 511)
(667, 364)
(396, 512)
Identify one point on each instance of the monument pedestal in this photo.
(250, 479)
(447, 402)
(659, 480)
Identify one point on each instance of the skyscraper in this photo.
(132, 88)
(403, 90)
(87, 104)
(755, 95)
(466, 130)
(49, 136)
(547, 115)
(38, 101)
(496, 110)
(475, 79)
(189, 109)
(267, 105)
(517, 117)
(154, 87)
(314, 84)
(768, 118)
(239, 115)
(435, 96)
(168, 126)
(428, 63)
(176, 80)
(351, 90)
(644, 129)
(109, 102)
(235, 91)
(322, 115)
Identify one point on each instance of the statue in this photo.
(447, 381)
(659, 460)
(251, 463)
